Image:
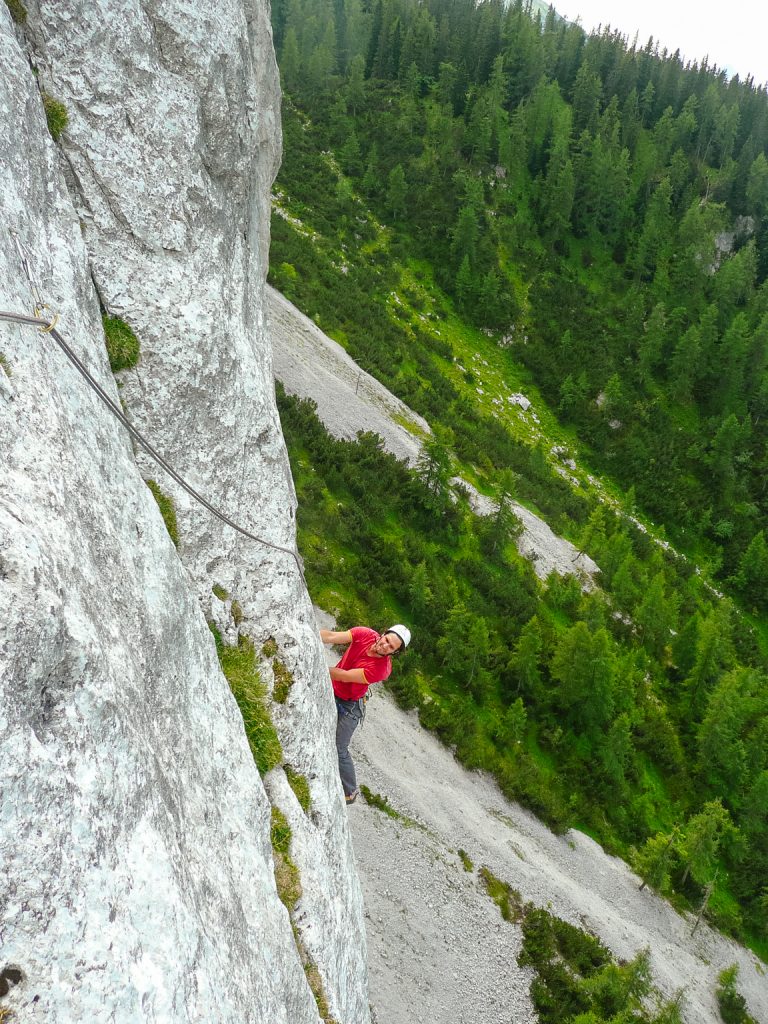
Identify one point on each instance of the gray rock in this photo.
(135, 828)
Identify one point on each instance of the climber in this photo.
(367, 660)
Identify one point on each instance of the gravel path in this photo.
(438, 949)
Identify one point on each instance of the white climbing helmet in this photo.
(402, 632)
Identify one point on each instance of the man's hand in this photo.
(329, 636)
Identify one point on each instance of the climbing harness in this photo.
(47, 325)
(360, 703)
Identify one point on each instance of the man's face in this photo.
(387, 644)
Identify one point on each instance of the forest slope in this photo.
(474, 202)
(313, 366)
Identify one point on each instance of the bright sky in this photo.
(733, 35)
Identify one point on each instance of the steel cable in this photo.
(48, 327)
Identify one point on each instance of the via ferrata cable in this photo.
(48, 326)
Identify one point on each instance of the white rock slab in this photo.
(135, 829)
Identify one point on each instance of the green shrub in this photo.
(167, 510)
(300, 786)
(56, 115)
(576, 976)
(220, 592)
(123, 346)
(733, 1007)
(239, 666)
(18, 11)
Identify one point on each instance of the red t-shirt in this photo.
(376, 669)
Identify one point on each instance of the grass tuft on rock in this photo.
(300, 786)
(220, 592)
(55, 114)
(167, 510)
(283, 681)
(19, 15)
(318, 991)
(239, 666)
(123, 346)
(283, 675)
(5, 366)
(287, 876)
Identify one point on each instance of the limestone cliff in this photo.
(134, 835)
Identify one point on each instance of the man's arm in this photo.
(349, 675)
(328, 636)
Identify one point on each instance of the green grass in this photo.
(123, 346)
(466, 861)
(239, 667)
(410, 426)
(287, 876)
(167, 510)
(5, 365)
(220, 592)
(508, 900)
(300, 786)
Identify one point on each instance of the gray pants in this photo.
(349, 717)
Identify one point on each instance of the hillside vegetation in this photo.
(475, 201)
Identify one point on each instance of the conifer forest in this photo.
(480, 193)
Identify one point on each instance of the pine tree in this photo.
(752, 576)
(701, 841)
(714, 653)
(397, 192)
(722, 735)
(655, 862)
(465, 284)
(584, 665)
(434, 467)
(525, 663)
(290, 62)
(355, 91)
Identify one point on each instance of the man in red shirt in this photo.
(367, 660)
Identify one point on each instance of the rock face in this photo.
(134, 837)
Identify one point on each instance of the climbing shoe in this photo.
(352, 797)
